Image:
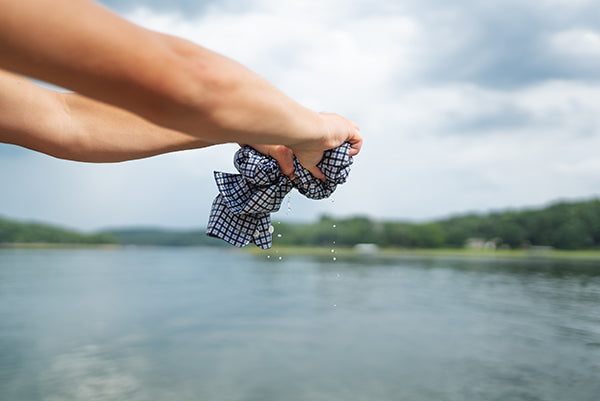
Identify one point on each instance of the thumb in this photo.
(317, 173)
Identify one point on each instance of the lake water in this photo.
(219, 324)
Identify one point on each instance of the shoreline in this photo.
(322, 251)
(521, 254)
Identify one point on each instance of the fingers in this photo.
(355, 139)
(317, 173)
(285, 158)
(340, 130)
(336, 129)
(355, 147)
(310, 162)
(282, 154)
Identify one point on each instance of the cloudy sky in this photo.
(465, 106)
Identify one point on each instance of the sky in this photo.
(464, 106)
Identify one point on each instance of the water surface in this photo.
(218, 324)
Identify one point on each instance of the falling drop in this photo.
(334, 226)
(334, 259)
(333, 250)
(280, 258)
(279, 235)
(268, 256)
(333, 242)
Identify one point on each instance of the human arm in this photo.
(167, 80)
(74, 127)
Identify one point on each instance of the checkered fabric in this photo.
(241, 213)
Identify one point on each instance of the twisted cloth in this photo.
(241, 213)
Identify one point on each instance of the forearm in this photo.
(73, 127)
(221, 101)
(166, 80)
(103, 133)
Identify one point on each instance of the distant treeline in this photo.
(12, 232)
(19, 232)
(563, 225)
(163, 237)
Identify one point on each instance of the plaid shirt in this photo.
(241, 213)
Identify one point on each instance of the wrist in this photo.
(311, 130)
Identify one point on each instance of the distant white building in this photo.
(489, 246)
(539, 250)
(481, 244)
(366, 248)
(475, 243)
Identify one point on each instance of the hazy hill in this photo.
(162, 237)
(32, 232)
(562, 225)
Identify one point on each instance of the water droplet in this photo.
(334, 305)
(268, 256)
(333, 242)
(338, 275)
(334, 226)
(333, 250)
(280, 258)
(279, 235)
(334, 259)
(279, 222)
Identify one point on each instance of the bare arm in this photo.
(82, 46)
(73, 127)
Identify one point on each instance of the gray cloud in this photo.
(495, 43)
(503, 117)
(502, 44)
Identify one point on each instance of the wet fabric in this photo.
(241, 213)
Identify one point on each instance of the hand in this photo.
(282, 154)
(335, 130)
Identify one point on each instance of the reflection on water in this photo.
(166, 324)
(88, 373)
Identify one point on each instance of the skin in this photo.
(139, 93)
(74, 127)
